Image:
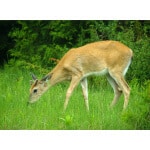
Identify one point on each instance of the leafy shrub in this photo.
(38, 41)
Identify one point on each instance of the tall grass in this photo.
(48, 112)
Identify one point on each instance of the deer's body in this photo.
(111, 58)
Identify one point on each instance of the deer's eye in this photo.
(35, 91)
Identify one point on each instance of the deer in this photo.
(109, 58)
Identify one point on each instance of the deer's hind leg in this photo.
(119, 79)
(116, 88)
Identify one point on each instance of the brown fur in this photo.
(110, 57)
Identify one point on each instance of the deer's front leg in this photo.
(74, 82)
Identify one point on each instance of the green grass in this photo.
(48, 112)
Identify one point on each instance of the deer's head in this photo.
(38, 87)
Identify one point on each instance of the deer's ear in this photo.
(47, 77)
(33, 83)
(36, 81)
(33, 76)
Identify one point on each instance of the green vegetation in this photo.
(48, 113)
(38, 41)
(28, 46)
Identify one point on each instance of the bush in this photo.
(38, 41)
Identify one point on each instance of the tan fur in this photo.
(106, 57)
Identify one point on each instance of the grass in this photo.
(48, 112)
